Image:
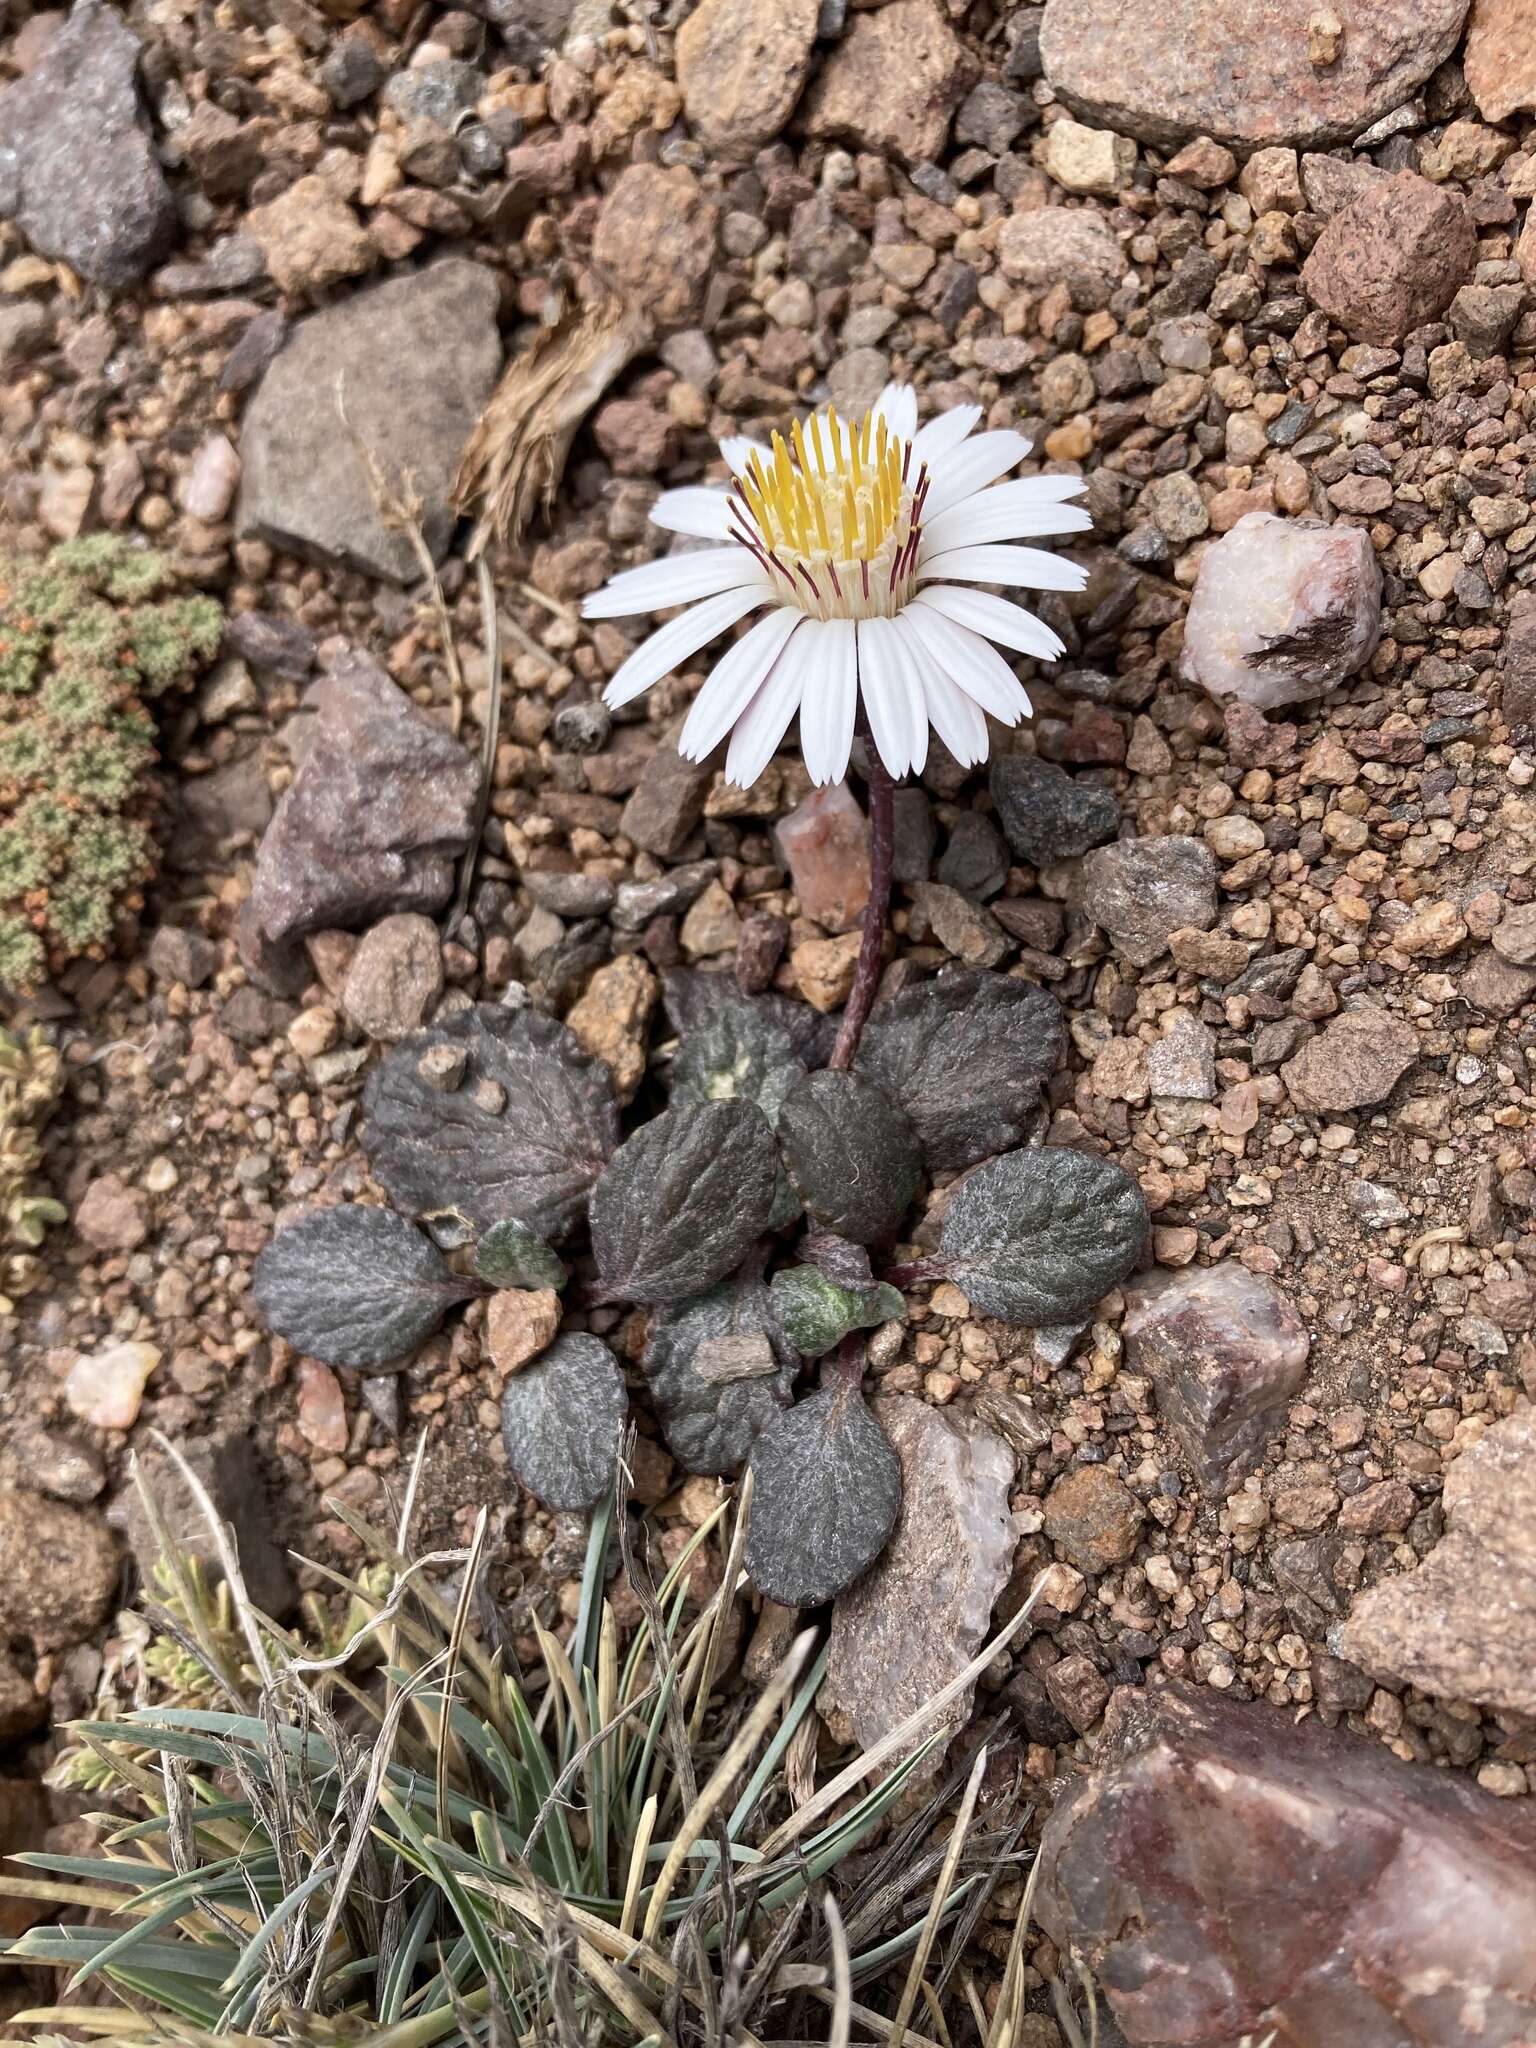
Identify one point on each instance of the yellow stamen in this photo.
(850, 519)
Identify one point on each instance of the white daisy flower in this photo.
(864, 541)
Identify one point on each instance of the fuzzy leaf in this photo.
(512, 1255)
(523, 1132)
(694, 999)
(826, 1491)
(683, 1201)
(562, 1420)
(1039, 1237)
(817, 1313)
(966, 1058)
(711, 1428)
(852, 1156)
(354, 1286)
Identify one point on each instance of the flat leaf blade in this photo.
(562, 1420)
(826, 1491)
(354, 1286)
(852, 1156)
(683, 1200)
(1040, 1237)
(711, 1428)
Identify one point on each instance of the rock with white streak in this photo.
(1282, 611)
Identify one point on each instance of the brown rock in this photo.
(667, 804)
(1354, 1063)
(229, 1468)
(823, 969)
(920, 1614)
(1434, 930)
(113, 1217)
(1078, 1689)
(395, 978)
(610, 1019)
(1519, 696)
(1500, 58)
(825, 843)
(1239, 71)
(742, 65)
(1392, 260)
(1226, 1351)
(1228, 1871)
(520, 1322)
(893, 82)
(1464, 1624)
(22, 1706)
(1514, 936)
(310, 237)
(58, 1570)
(24, 1822)
(655, 241)
(1093, 1518)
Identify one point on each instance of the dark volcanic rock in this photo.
(78, 172)
(1047, 814)
(1225, 1871)
(374, 820)
(1226, 1351)
(1240, 71)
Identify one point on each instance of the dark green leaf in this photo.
(496, 1113)
(512, 1255)
(711, 1427)
(826, 1491)
(683, 1201)
(739, 1054)
(817, 1313)
(354, 1286)
(852, 1156)
(694, 999)
(966, 1057)
(562, 1420)
(1039, 1237)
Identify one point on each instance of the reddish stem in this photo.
(866, 974)
(850, 1361)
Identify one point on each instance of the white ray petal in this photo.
(675, 579)
(1029, 568)
(677, 639)
(698, 509)
(733, 682)
(999, 619)
(829, 699)
(958, 719)
(1014, 511)
(897, 406)
(767, 718)
(972, 662)
(739, 449)
(886, 690)
(973, 467)
(944, 433)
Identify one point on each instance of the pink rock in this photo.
(106, 1388)
(322, 1409)
(1227, 1872)
(212, 479)
(1282, 611)
(825, 842)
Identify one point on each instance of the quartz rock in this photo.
(105, 1388)
(1282, 611)
(212, 479)
(1226, 1351)
(1227, 1871)
(919, 1615)
(1463, 1625)
(825, 843)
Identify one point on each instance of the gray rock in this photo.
(668, 802)
(411, 407)
(1374, 1206)
(919, 1615)
(437, 92)
(913, 834)
(59, 1570)
(1353, 1064)
(1181, 1067)
(229, 1467)
(78, 172)
(374, 820)
(1047, 814)
(1226, 1351)
(975, 861)
(1463, 1626)
(1144, 890)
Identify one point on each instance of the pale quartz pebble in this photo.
(212, 479)
(825, 843)
(322, 1407)
(105, 1388)
(1282, 611)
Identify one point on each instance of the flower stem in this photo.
(866, 974)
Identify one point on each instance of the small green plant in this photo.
(381, 1829)
(90, 636)
(30, 1079)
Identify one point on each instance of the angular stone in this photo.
(1392, 259)
(112, 1216)
(825, 844)
(1181, 1066)
(610, 1020)
(306, 485)
(106, 1388)
(1282, 611)
(78, 171)
(1142, 891)
(395, 978)
(1089, 159)
(374, 820)
(892, 83)
(1093, 1518)
(655, 241)
(1239, 71)
(58, 1570)
(922, 1611)
(311, 238)
(1463, 1625)
(667, 804)
(1226, 1351)
(975, 862)
(1048, 815)
(1354, 1063)
(1227, 1871)
(520, 1323)
(1495, 986)
(742, 65)
(1514, 936)
(1073, 246)
(1500, 58)
(228, 1466)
